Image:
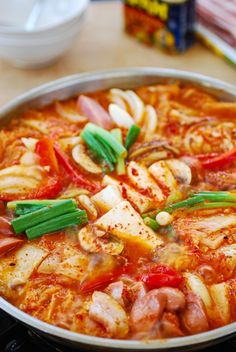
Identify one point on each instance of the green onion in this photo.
(184, 203)
(110, 153)
(213, 205)
(39, 216)
(120, 166)
(34, 202)
(117, 147)
(132, 136)
(153, 224)
(97, 148)
(74, 218)
(217, 196)
(26, 207)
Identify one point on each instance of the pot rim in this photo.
(66, 82)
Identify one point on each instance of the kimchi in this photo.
(118, 212)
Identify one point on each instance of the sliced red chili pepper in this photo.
(73, 172)
(9, 243)
(45, 149)
(161, 276)
(101, 281)
(220, 161)
(203, 157)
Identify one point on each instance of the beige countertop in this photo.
(102, 44)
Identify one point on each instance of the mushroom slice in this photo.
(180, 170)
(106, 311)
(93, 243)
(143, 149)
(82, 159)
(121, 117)
(73, 193)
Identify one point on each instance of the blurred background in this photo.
(42, 40)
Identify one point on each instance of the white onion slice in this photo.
(121, 117)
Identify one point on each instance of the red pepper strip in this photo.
(220, 161)
(73, 172)
(203, 157)
(101, 281)
(161, 276)
(45, 149)
(9, 243)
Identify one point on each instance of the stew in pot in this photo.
(118, 212)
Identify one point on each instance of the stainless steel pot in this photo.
(68, 87)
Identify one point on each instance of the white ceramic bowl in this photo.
(43, 44)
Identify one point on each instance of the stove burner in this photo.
(15, 337)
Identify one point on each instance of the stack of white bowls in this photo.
(34, 33)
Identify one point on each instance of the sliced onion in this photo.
(17, 184)
(29, 159)
(34, 172)
(132, 100)
(121, 117)
(151, 120)
(29, 143)
(68, 114)
(38, 125)
(138, 106)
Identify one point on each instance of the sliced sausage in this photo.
(5, 227)
(175, 298)
(194, 318)
(106, 311)
(9, 243)
(169, 326)
(147, 310)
